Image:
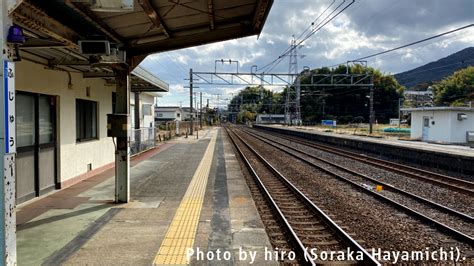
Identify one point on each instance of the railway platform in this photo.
(419, 145)
(187, 193)
(454, 158)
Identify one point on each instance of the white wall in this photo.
(171, 114)
(148, 120)
(459, 128)
(74, 157)
(447, 127)
(440, 131)
(147, 100)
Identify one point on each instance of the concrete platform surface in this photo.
(81, 225)
(458, 150)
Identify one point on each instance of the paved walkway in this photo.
(80, 225)
(432, 147)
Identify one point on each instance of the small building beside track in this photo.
(270, 119)
(442, 124)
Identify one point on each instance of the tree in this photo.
(342, 103)
(253, 100)
(346, 103)
(455, 90)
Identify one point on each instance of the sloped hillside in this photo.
(436, 71)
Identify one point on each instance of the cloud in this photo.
(179, 88)
(367, 27)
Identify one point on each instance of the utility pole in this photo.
(191, 100)
(399, 112)
(195, 104)
(324, 107)
(207, 116)
(371, 116)
(195, 100)
(218, 106)
(200, 110)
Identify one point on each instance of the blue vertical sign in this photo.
(10, 117)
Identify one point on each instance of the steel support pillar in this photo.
(122, 154)
(136, 120)
(7, 143)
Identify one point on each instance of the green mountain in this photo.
(436, 71)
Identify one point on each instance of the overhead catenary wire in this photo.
(318, 27)
(314, 21)
(274, 63)
(407, 45)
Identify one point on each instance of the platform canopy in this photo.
(139, 27)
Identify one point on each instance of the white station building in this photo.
(442, 124)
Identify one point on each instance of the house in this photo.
(63, 62)
(146, 108)
(187, 113)
(441, 124)
(270, 119)
(60, 120)
(168, 113)
(419, 98)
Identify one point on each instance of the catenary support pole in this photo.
(191, 100)
(8, 144)
(122, 154)
(399, 112)
(200, 110)
(371, 116)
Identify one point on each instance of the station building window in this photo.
(86, 120)
(146, 109)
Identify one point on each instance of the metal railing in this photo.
(142, 139)
(170, 129)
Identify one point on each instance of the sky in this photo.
(364, 28)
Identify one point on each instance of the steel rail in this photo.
(266, 194)
(444, 228)
(457, 184)
(436, 205)
(344, 237)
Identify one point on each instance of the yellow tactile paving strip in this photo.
(182, 230)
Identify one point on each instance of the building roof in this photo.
(418, 92)
(186, 109)
(150, 79)
(148, 26)
(271, 115)
(166, 108)
(440, 108)
(54, 27)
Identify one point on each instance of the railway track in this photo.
(310, 231)
(456, 217)
(450, 182)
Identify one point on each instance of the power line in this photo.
(314, 21)
(289, 48)
(409, 44)
(312, 32)
(275, 62)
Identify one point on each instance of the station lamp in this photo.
(15, 36)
